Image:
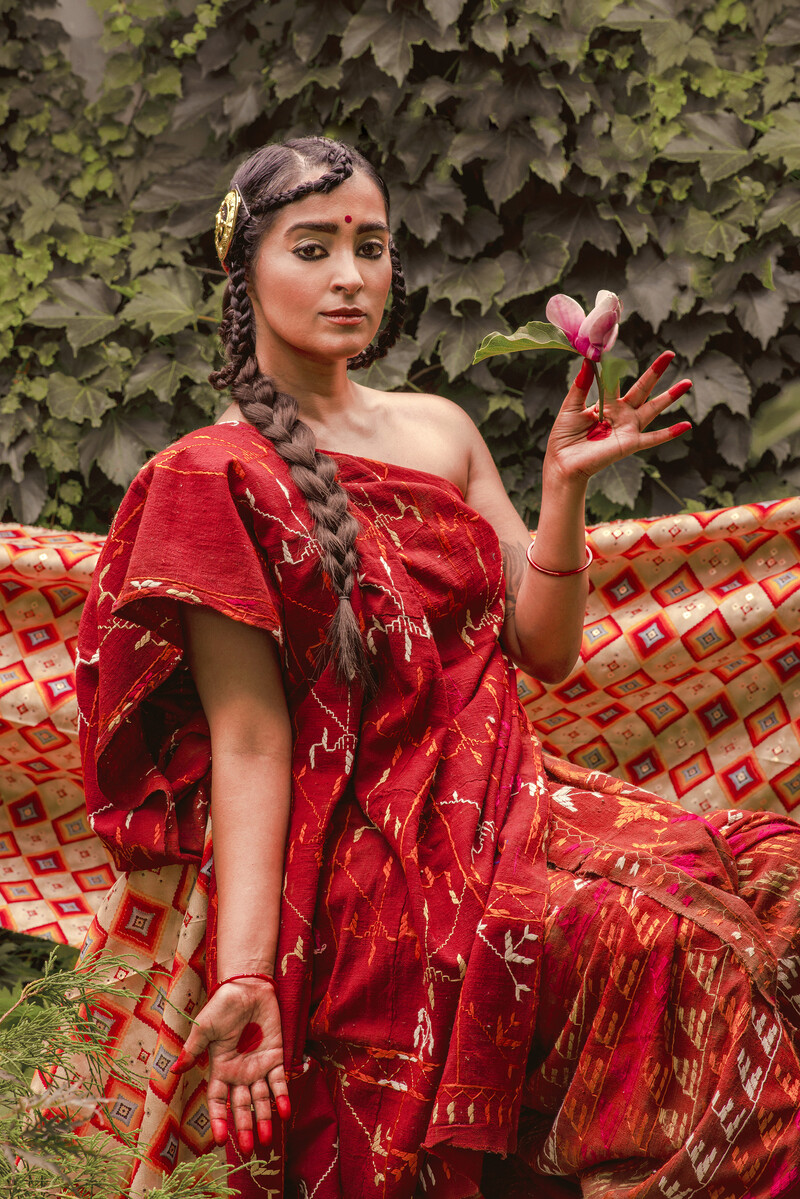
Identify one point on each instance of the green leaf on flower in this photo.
(536, 335)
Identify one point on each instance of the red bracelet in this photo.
(266, 978)
(559, 574)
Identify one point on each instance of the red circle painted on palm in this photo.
(250, 1038)
(599, 431)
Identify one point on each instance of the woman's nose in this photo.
(347, 276)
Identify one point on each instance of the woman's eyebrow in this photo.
(333, 227)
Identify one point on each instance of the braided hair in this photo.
(266, 181)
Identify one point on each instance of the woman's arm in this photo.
(238, 677)
(544, 615)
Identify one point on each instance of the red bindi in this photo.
(347, 220)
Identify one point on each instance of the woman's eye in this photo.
(310, 251)
(372, 249)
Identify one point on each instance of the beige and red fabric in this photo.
(689, 677)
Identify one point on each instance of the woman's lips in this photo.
(345, 316)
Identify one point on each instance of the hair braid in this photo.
(264, 182)
(275, 415)
(237, 328)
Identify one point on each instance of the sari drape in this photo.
(431, 851)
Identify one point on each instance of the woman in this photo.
(451, 970)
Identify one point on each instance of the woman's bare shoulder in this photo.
(429, 432)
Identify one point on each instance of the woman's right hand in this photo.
(240, 1026)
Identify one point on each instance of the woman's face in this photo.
(321, 275)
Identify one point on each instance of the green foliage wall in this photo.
(531, 146)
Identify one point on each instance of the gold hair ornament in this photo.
(225, 223)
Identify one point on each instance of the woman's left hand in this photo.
(572, 453)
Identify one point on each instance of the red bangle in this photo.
(558, 574)
(266, 978)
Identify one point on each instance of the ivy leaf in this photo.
(717, 380)
(733, 436)
(84, 307)
(703, 233)
(421, 209)
(527, 275)
(195, 183)
(718, 143)
(156, 372)
(482, 278)
(456, 337)
(783, 209)
(391, 372)
(391, 35)
(775, 420)
(761, 313)
(574, 221)
(690, 337)
(781, 143)
(44, 209)
(653, 284)
(167, 300)
(620, 482)
(536, 335)
(514, 156)
(121, 445)
(77, 399)
(27, 497)
(445, 12)
(479, 228)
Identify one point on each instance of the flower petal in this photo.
(607, 299)
(599, 328)
(565, 313)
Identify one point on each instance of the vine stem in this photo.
(599, 381)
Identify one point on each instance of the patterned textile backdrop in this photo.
(688, 684)
(689, 677)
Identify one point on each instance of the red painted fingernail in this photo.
(662, 362)
(246, 1140)
(265, 1132)
(585, 376)
(251, 1038)
(683, 427)
(182, 1062)
(679, 389)
(284, 1106)
(219, 1131)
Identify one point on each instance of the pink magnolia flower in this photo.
(590, 335)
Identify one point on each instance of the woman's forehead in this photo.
(358, 197)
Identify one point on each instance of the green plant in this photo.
(49, 1028)
(649, 148)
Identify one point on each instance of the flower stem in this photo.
(598, 378)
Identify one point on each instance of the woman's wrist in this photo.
(557, 482)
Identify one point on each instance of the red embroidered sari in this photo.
(479, 956)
